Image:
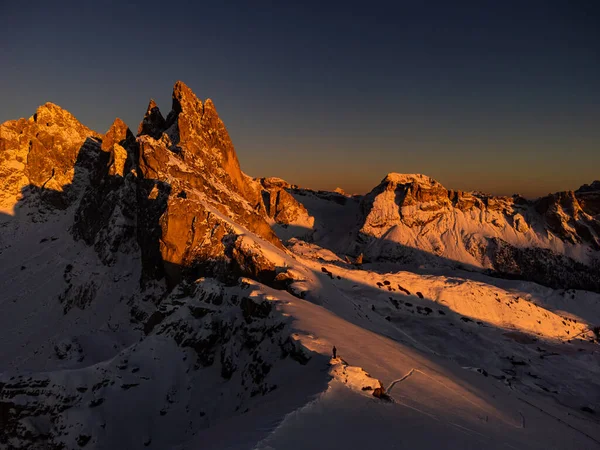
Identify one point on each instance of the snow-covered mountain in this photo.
(155, 296)
(413, 219)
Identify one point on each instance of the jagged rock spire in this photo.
(117, 133)
(120, 143)
(198, 129)
(153, 123)
(185, 101)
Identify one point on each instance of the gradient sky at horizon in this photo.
(502, 97)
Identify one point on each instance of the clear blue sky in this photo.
(501, 96)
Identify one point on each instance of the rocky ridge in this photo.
(206, 331)
(41, 152)
(174, 192)
(281, 206)
(554, 240)
(160, 210)
(412, 219)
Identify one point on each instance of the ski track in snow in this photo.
(400, 380)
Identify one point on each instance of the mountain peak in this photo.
(151, 105)
(50, 114)
(52, 118)
(594, 186)
(208, 104)
(50, 107)
(153, 123)
(407, 178)
(117, 132)
(118, 124)
(184, 100)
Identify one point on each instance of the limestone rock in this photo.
(588, 197)
(42, 152)
(282, 207)
(175, 194)
(566, 218)
(120, 143)
(153, 123)
(202, 136)
(274, 183)
(520, 223)
(414, 218)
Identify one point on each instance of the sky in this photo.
(496, 96)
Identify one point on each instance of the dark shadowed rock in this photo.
(153, 123)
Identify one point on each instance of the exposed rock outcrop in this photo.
(566, 219)
(413, 219)
(280, 205)
(208, 194)
(424, 205)
(153, 123)
(107, 214)
(554, 240)
(41, 152)
(175, 193)
(588, 197)
(201, 331)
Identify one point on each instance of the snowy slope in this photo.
(413, 220)
(433, 400)
(415, 217)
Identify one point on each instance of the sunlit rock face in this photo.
(416, 200)
(175, 193)
(120, 144)
(196, 129)
(40, 151)
(280, 205)
(413, 219)
(553, 240)
(194, 157)
(588, 197)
